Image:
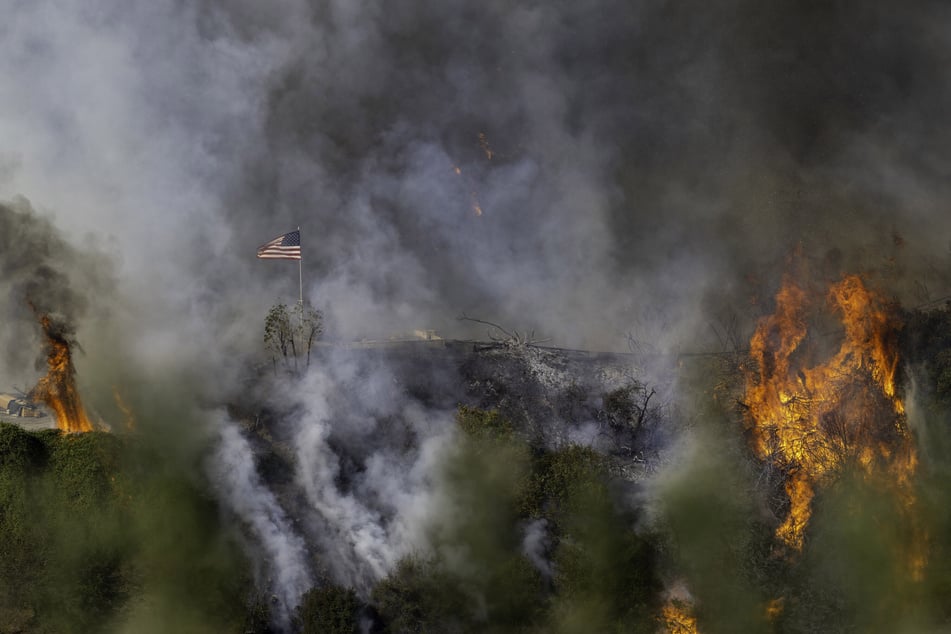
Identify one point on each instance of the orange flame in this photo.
(126, 410)
(810, 419)
(58, 388)
(677, 618)
(775, 608)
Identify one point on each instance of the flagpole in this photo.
(300, 273)
(300, 279)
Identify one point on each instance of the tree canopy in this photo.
(290, 334)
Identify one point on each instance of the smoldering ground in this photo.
(622, 167)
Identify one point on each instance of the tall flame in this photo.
(811, 418)
(58, 388)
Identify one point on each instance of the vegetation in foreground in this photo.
(98, 533)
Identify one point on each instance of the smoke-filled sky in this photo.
(636, 163)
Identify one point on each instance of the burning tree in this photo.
(58, 388)
(811, 414)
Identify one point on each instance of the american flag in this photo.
(285, 247)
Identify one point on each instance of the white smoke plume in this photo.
(286, 571)
(534, 544)
(367, 460)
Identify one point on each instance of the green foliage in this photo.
(22, 554)
(20, 453)
(433, 595)
(476, 579)
(484, 425)
(289, 335)
(926, 343)
(61, 535)
(479, 579)
(709, 507)
(480, 542)
(926, 350)
(96, 533)
(930, 421)
(420, 596)
(853, 574)
(605, 573)
(257, 619)
(943, 374)
(328, 609)
(562, 481)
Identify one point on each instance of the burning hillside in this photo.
(815, 410)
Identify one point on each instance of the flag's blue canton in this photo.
(291, 239)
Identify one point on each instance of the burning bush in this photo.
(57, 389)
(812, 415)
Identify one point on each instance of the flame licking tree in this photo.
(811, 418)
(58, 388)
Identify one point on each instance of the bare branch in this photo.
(640, 418)
(464, 317)
(513, 338)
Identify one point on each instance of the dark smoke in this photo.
(39, 275)
(647, 157)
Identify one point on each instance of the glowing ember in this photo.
(484, 144)
(58, 388)
(811, 418)
(473, 195)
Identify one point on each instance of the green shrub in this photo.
(419, 596)
(477, 578)
(96, 531)
(329, 609)
(20, 452)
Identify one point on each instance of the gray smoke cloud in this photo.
(634, 164)
(644, 160)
